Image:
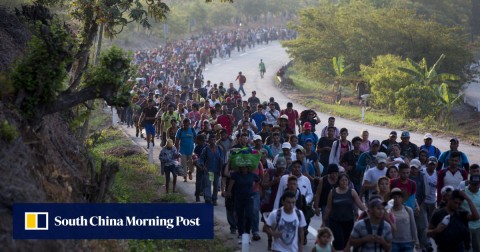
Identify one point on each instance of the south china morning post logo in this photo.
(112, 221)
(36, 221)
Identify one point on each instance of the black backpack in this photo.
(368, 225)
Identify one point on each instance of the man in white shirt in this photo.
(286, 225)
(272, 114)
(304, 184)
(372, 175)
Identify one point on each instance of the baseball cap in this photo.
(308, 140)
(300, 149)
(307, 126)
(381, 157)
(286, 145)
(202, 99)
(432, 159)
(376, 142)
(376, 201)
(427, 136)
(446, 189)
(393, 133)
(217, 127)
(475, 179)
(257, 137)
(415, 163)
(454, 139)
(405, 134)
(281, 163)
(284, 117)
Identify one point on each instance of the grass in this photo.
(140, 182)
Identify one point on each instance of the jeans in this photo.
(129, 116)
(402, 247)
(341, 231)
(231, 216)
(209, 195)
(200, 181)
(256, 212)
(244, 209)
(240, 89)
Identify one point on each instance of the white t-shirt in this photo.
(431, 187)
(372, 175)
(304, 185)
(288, 227)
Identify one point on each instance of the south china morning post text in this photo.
(113, 221)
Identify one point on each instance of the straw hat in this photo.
(169, 143)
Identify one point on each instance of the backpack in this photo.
(203, 92)
(368, 225)
(279, 215)
(243, 79)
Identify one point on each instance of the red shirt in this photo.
(226, 123)
(292, 117)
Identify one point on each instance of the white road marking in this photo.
(261, 49)
(243, 54)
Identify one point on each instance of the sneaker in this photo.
(256, 237)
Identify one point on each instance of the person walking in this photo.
(262, 68)
(211, 161)
(241, 81)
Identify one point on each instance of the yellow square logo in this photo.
(36, 221)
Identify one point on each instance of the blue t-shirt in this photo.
(243, 187)
(259, 118)
(186, 138)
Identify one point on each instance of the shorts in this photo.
(149, 129)
(171, 169)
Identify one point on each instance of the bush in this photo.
(416, 101)
(8, 132)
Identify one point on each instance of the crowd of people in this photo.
(371, 195)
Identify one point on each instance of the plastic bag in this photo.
(245, 157)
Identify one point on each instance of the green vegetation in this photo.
(8, 132)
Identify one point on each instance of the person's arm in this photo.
(327, 209)
(357, 201)
(473, 210)
(432, 230)
(309, 193)
(316, 203)
(281, 188)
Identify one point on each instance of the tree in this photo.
(340, 70)
(425, 75)
(446, 100)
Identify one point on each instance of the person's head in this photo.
(286, 147)
(281, 165)
(293, 140)
(343, 180)
(244, 139)
(446, 192)
(271, 105)
(288, 201)
(398, 196)
(308, 144)
(454, 144)
(375, 146)
(415, 167)
(428, 139)
(246, 113)
(257, 141)
(332, 171)
(260, 108)
(423, 156)
(324, 236)
(245, 125)
(211, 139)
(364, 134)
(381, 160)
(455, 200)
(392, 172)
(405, 137)
(383, 184)
(292, 184)
(403, 171)
(186, 123)
(432, 163)
(331, 132)
(169, 144)
(474, 183)
(275, 137)
(200, 139)
(395, 150)
(296, 168)
(474, 169)
(300, 153)
(239, 103)
(289, 105)
(254, 93)
(173, 123)
(376, 208)
(150, 103)
(331, 121)
(343, 133)
(356, 141)
(307, 127)
(171, 108)
(393, 136)
(454, 160)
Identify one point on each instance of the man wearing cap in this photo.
(286, 153)
(285, 129)
(259, 117)
(387, 143)
(463, 160)
(311, 117)
(472, 191)
(253, 100)
(304, 184)
(405, 237)
(258, 145)
(432, 150)
(370, 240)
(266, 131)
(276, 145)
(452, 175)
(372, 175)
(420, 218)
(474, 170)
(293, 118)
(272, 114)
(406, 184)
(349, 161)
(307, 134)
(407, 148)
(184, 142)
(368, 159)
